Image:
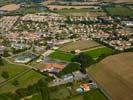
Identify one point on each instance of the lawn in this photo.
(98, 52)
(59, 55)
(119, 11)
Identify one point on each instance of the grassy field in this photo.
(115, 75)
(12, 69)
(37, 97)
(119, 1)
(32, 9)
(60, 93)
(25, 80)
(98, 52)
(81, 12)
(61, 56)
(80, 45)
(91, 95)
(119, 11)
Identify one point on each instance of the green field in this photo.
(119, 11)
(98, 52)
(61, 56)
(25, 80)
(91, 95)
(59, 93)
(80, 12)
(21, 73)
(12, 69)
(32, 9)
(37, 97)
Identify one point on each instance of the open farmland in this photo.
(80, 11)
(95, 53)
(115, 75)
(79, 45)
(119, 11)
(10, 7)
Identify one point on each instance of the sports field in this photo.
(119, 11)
(115, 75)
(98, 52)
(61, 56)
(79, 45)
(80, 11)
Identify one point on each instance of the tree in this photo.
(84, 60)
(15, 82)
(1, 62)
(70, 68)
(43, 88)
(5, 74)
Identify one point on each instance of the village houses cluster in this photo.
(20, 31)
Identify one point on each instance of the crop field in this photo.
(81, 12)
(10, 7)
(79, 45)
(98, 52)
(115, 75)
(61, 56)
(119, 11)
